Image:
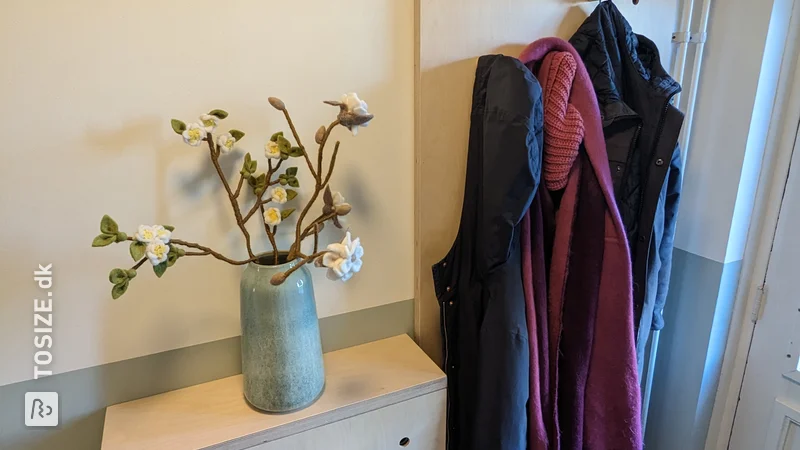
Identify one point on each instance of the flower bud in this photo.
(278, 278)
(277, 103)
(131, 273)
(343, 209)
(121, 236)
(320, 135)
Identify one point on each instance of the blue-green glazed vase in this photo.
(281, 349)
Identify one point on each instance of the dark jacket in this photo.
(641, 129)
(479, 282)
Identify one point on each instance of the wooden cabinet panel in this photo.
(421, 421)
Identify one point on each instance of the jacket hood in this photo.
(606, 38)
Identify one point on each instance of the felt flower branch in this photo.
(271, 190)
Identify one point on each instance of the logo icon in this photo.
(41, 409)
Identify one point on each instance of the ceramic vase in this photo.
(281, 349)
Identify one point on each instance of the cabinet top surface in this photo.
(215, 415)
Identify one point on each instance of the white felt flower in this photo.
(145, 234)
(209, 122)
(157, 252)
(338, 199)
(279, 195)
(335, 202)
(272, 150)
(343, 260)
(357, 107)
(272, 216)
(150, 233)
(162, 234)
(194, 134)
(225, 142)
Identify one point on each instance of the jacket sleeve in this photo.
(667, 242)
(511, 158)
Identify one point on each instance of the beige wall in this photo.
(88, 88)
(453, 34)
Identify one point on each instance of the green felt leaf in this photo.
(108, 226)
(284, 156)
(251, 180)
(291, 194)
(252, 166)
(219, 113)
(104, 239)
(284, 145)
(293, 182)
(178, 126)
(160, 269)
(121, 237)
(238, 135)
(260, 184)
(275, 136)
(168, 227)
(119, 289)
(291, 171)
(117, 276)
(247, 158)
(296, 152)
(172, 256)
(138, 250)
(286, 213)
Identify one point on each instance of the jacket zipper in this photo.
(662, 120)
(659, 131)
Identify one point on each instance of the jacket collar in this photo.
(606, 32)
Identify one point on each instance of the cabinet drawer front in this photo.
(421, 421)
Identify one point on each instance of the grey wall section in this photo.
(697, 319)
(84, 394)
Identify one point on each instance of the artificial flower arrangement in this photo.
(157, 245)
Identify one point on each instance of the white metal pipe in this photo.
(694, 83)
(678, 69)
(679, 63)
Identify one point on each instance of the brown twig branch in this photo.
(318, 220)
(299, 144)
(281, 277)
(271, 236)
(259, 204)
(318, 186)
(239, 186)
(211, 252)
(204, 251)
(333, 162)
(236, 211)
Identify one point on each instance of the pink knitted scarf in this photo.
(563, 124)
